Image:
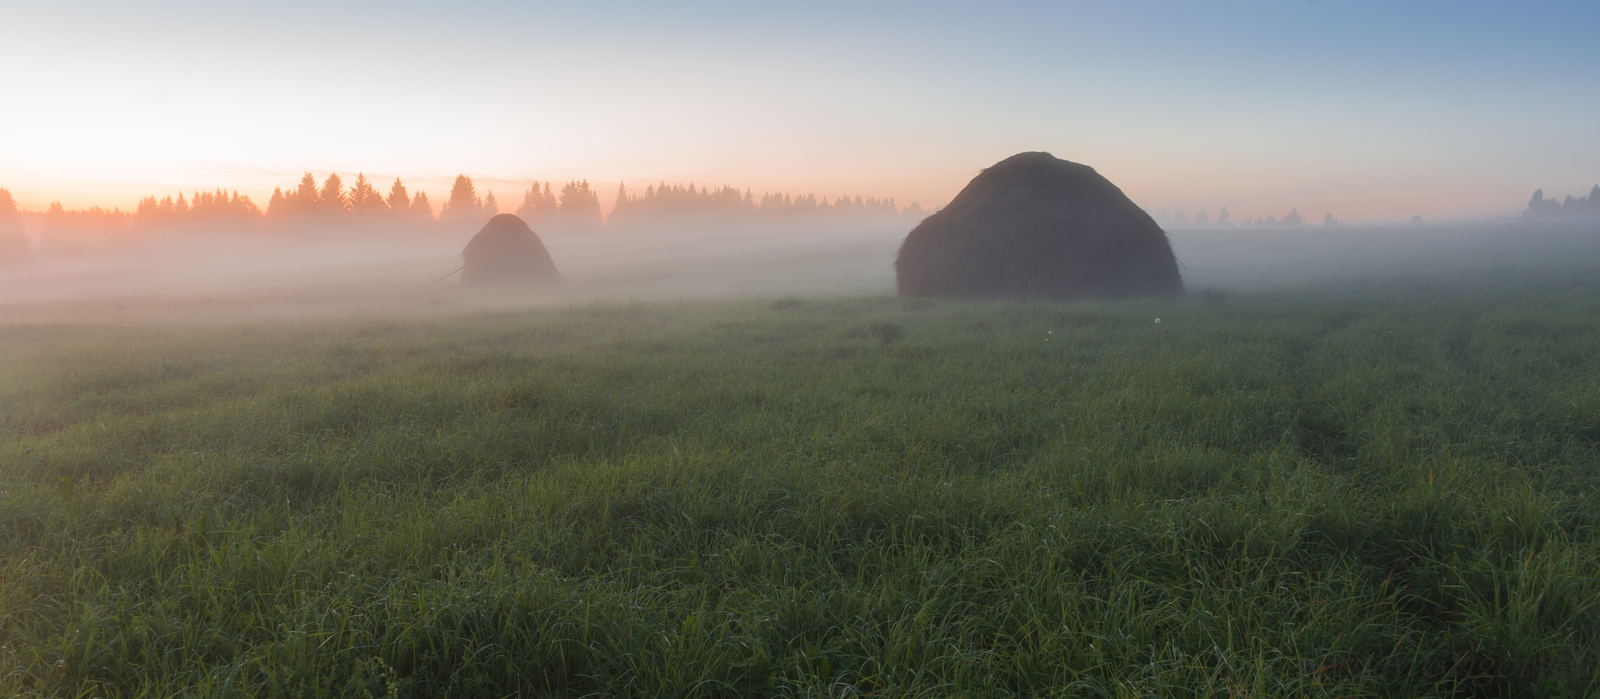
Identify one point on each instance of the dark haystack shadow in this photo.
(1036, 226)
(507, 253)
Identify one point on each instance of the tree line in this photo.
(1170, 219)
(360, 205)
(1570, 208)
(680, 200)
(13, 246)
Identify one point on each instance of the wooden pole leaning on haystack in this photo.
(447, 276)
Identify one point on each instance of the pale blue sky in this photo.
(1368, 110)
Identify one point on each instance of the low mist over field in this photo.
(338, 250)
(256, 278)
(228, 276)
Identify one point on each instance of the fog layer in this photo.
(249, 278)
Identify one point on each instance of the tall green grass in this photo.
(1386, 489)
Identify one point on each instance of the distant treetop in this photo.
(1571, 208)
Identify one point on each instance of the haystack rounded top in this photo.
(1036, 226)
(503, 227)
(1038, 178)
(507, 253)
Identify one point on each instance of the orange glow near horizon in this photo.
(1324, 109)
(1153, 193)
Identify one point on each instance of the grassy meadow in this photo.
(1383, 489)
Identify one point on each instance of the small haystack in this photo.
(507, 253)
(1036, 226)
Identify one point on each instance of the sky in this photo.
(1371, 111)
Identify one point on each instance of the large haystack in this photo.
(1036, 226)
(507, 253)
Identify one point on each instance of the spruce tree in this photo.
(304, 199)
(243, 206)
(13, 246)
(539, 203)
(530, 203)
(332, 196)
(399, 201)
(623, 205)
(580, 206)
(491, 207)
(365, 200)
(275, 205)
(420, 207)
(463, 204)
